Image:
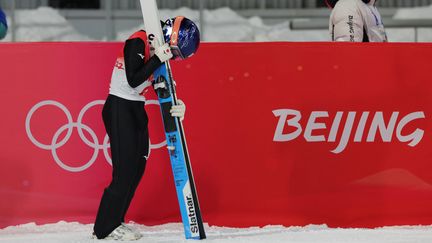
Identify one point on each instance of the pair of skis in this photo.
(176, 142)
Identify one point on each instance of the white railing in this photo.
(210, 4)
(318, 17)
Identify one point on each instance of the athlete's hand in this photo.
(163, 52)
(178, 110)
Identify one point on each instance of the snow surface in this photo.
(173, 233)
(221, 25)
(44, 24)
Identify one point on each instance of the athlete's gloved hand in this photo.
(163, 52)
(178, 110)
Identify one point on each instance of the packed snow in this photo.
(43, 24)
(63, 232)
(225, 25)
(220, 25)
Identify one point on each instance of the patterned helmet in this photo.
(183, 36)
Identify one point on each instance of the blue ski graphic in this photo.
(177, 149)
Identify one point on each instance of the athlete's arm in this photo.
(346, 23)
(138, 71)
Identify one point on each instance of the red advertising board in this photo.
(278, 133)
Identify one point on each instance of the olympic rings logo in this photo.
(55, 144)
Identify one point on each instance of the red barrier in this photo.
(278, 133)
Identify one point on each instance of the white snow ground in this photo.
(44, 24)
(63, 232)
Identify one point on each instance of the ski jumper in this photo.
(125, 121)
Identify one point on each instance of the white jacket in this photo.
(356, 21)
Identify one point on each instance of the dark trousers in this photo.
(126, 125)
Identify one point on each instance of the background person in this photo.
(356, 21)
(3, 24)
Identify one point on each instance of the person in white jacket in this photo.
(356, 21)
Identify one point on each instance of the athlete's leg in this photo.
(143, 151)
(121, 125)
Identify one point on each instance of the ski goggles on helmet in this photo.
(174, 38)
